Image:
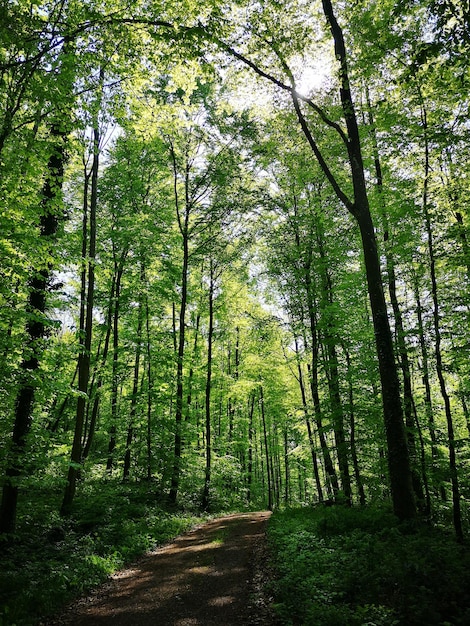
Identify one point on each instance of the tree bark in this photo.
(208, 468)
(398, 459)
(457, 515)
(183, 222)
(118, 270)
(332, 370)
(266, 450)
(352, 436)
(35, 329)
(311, 441)
(84, 356)
(399, 327)
(135, 383)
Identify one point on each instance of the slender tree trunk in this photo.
(251, 408)
(149, 389)
(397, 453)
(115, 373)
(191, 369)
(399, 327)
(332, 482)
(457, 515)
(427, 390)
(332, 479)
(231, 410)
(332, 370)
(309, 425)
(352, 436)
(183, 222)
(286, 467)
(89, 433)
(35, 329)
(84, 357)
(135, 383)
(266, 450)
(207, 475)
(275, 465)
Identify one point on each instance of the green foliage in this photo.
(339, 566)
(52, 560)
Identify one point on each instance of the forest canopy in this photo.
(234, 256)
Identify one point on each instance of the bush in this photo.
(53, 560)
(342, 566)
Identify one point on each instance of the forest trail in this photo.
(210, 576)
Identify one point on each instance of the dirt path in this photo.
(210, 576)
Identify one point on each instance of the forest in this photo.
(234, 273)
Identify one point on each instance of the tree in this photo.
(358, 206)
(49, 215)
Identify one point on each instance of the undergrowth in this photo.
(52, 560)
(361, 567)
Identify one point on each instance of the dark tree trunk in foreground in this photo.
(408, 402)
(397, 450)
(36, 308)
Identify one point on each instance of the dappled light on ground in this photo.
(203, 578)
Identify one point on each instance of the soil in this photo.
(214, 575)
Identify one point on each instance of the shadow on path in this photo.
(204, 578)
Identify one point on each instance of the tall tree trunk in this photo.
(207, 473)
(286, 468)
(85, 334)
(332, 479)
(332, 369)
(135, 383)
(266, 450)
(309, 425)
(352, 436)
(118, 270)
(457, 516)
(332, 482)
(194, 357)
(398, 459)
(149, 389)
(35, 329)
(89, 433)
(399, 327)
(427, 389)
(251, 408)
(183, 223)
(397, 450)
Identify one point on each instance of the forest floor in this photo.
(213, 575)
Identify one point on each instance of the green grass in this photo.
(52, 560)
(360, 567)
